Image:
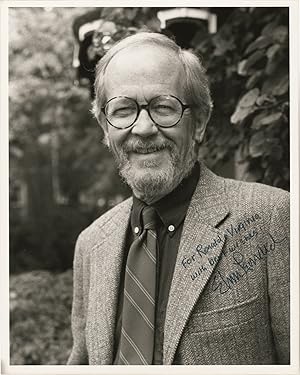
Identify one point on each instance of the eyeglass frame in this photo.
(146, 107)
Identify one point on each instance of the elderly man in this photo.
(194, 268)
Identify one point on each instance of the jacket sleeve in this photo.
(278, 278)
(78, 354)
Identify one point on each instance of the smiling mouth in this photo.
(145, 152)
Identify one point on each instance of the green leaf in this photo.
(265, 119)
(274, 63)
(245, 106)
(261, 42)
(268, 30)
(249, 98)
(253, 59)
(242, 71)
(244, 67)
(254, 79)
(276, 85)
(256, 122)
(241, 113)
(281, 34)
(273, 50)
(274, 117)
(257, 144)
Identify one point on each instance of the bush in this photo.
(40, 308)
(248, 62)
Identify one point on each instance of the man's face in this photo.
(152, 160)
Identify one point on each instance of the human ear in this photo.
(201, 119)
(103, 125)
(105, 140)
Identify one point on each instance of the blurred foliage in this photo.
(248, 63)
(48, 241)
(40, 318)
(55, 144)
(48, 113)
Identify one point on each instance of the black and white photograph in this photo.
(152, 188)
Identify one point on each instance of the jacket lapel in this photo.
(207, 209)
(110, 261)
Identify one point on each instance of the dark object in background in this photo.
(94, 36)
(94, 33)
(48, 246)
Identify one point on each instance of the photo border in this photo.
(293, 368)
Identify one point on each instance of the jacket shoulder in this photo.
(252, 197)
(255, 192)
(241, 195)
(97, 231)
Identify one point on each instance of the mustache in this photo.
(141, 145)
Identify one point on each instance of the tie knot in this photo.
(149, 217)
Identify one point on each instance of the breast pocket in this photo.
(235, 334)
(227, 316)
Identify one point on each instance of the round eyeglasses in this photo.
(122, 112)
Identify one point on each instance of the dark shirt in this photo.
(171, 211)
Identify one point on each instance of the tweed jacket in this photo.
(229, 297)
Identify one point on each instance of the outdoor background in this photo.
(62, 177)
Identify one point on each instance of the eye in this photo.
(122, 111)
(120, 107)
(163, 108)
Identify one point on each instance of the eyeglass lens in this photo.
(122, 112)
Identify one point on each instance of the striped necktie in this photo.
(137, 333)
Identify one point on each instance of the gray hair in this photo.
(196, 82)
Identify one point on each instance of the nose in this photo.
(144, 126)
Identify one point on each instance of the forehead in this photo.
(144, 65)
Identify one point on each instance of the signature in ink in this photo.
(224, 283)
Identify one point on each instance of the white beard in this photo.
(148, 183)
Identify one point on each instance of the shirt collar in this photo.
(173, 207)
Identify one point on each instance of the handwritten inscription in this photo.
(230, 232)
(199, 271)
(224, 283)
(242, 226)
(241, 233)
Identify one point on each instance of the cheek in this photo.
(182, 135)
(116, 138)
(187, 144)
(188, 133)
